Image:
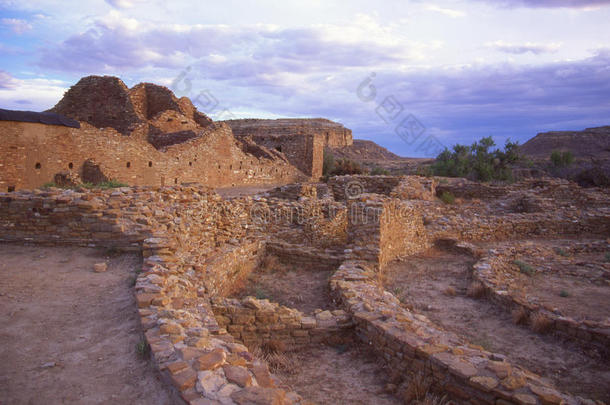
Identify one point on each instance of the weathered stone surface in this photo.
(259, 396)
(484, 383)
(210, 382)
(211, 360)
(238, 375)
(100, 267)
(184, 379)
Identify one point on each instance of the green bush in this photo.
(328, 164)
(379, 171)
(447, 197)
(104, 185)
(425, 171)
(524, 267)
(478, 161)
(562, 159)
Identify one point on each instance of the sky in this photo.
(414, 76)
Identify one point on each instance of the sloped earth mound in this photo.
(70, 335)
(436, 283)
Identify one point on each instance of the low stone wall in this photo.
(305, 256)
(298, 190)
(259, 322)
(360, 184)
(493, 273)
(411, 345)
(186, 235)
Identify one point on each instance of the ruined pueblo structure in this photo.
(498, 297)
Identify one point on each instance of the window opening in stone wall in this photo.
(149, 164)
(128, 165)
(10, 189)
(70, 165)
(176, 181)
(38, 166)
(278, 148)
(190, 163)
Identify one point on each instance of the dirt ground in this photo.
(69, 335)
(303, 289)
(346, 374)
(577, 285)
(421, 283)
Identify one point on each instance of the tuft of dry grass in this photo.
(273, 353)
(274, 346)
(433, 399)
(271, 264)
(540, 323)
(475, 290)
(520, 316)
(416, 388)
(449, 292)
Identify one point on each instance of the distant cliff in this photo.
(590, 143)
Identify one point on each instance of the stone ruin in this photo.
(301, 140)
(147, 136)
(197, 246)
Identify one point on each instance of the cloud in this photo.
(120, 3)
(521, 48)
(446, 11)
(550, 3)
(17, 25)
(116, 43)
(6, 80)
(37, 93)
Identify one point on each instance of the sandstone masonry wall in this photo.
(33, 153)
(301, 140)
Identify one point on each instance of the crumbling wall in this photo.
(34, 153)
(344, 187)
(381, 229)
(101, 101)
(257, 322)
(301, 140)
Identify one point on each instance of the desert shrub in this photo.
(447, 197)
(475, 290)
(105, 185)
(562, 159)
(346, 166)
(524, 267)
(564, 294)
(607, 257)
(540, 323)
(328, 164)
(425, 171)
(261, 294)
(478, 161)
(143, 348)
(562, 252)
(520, 316)
(379, 171)
(593, 177)
(49, 185)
